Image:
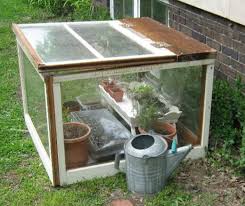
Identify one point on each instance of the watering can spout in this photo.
(174, 159)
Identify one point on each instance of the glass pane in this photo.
(145, 8)
(108, 41)
(160, 11)
(123, 8)
(36, 102)
(182, 87)
(83, 102)
(162, 102)
(129, 5)
(55, 43)
(118, 9)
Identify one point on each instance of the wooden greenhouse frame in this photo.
(169, 49)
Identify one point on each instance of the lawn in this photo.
(23, 180)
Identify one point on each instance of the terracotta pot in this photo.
(116, 93)
(106, 84)
(141, 130)
(167, 130)
(71, 106)
(76, 137)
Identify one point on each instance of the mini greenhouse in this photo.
(106, 81)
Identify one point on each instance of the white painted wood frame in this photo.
(112, 9)
(207, 105)
(60, 134)
(200, 151)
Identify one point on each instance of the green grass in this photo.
(23, 180)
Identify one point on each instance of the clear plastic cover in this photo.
(182, 87)
(54, 43)
(162, 102)
(108, 134)
(35, 94)
(108, 41)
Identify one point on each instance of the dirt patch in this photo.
(206, 184)
(12, 179)
(198, 177)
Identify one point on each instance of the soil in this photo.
(71, 106)
(73, 132)
(97, 138)
(199, 178)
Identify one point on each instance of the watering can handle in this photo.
(117, 159)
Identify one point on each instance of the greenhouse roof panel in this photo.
(108, 41)
(97, 45)
(55, 43)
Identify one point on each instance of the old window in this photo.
(156, 9)
(123, 8)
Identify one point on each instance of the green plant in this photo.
(148, 111)
(57, 7)
(78, 9)
(228, 121)
(87, 10)
(143, 92)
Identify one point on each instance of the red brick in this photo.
(214, 44)
(230, 52)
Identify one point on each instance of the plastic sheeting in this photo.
(108, 135)
(182, 87)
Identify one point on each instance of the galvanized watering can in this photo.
(149, 162)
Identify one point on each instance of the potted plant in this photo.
(166, 130)
(107, 84)
(149, 113)
(116, 93)
(76, 136)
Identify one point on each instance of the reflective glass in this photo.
(145, 8)
(129, 8)
(108, 41)
(36, 102)
(162, 102)
(54, 43)
(123, 8)
(160, 11)
(118, 9)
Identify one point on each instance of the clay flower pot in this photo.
(71, 106)
(166, 130)
(106, 84)
(116, 93)
(141, 130)
(76, 137)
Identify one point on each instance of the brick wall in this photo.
(227, 37)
